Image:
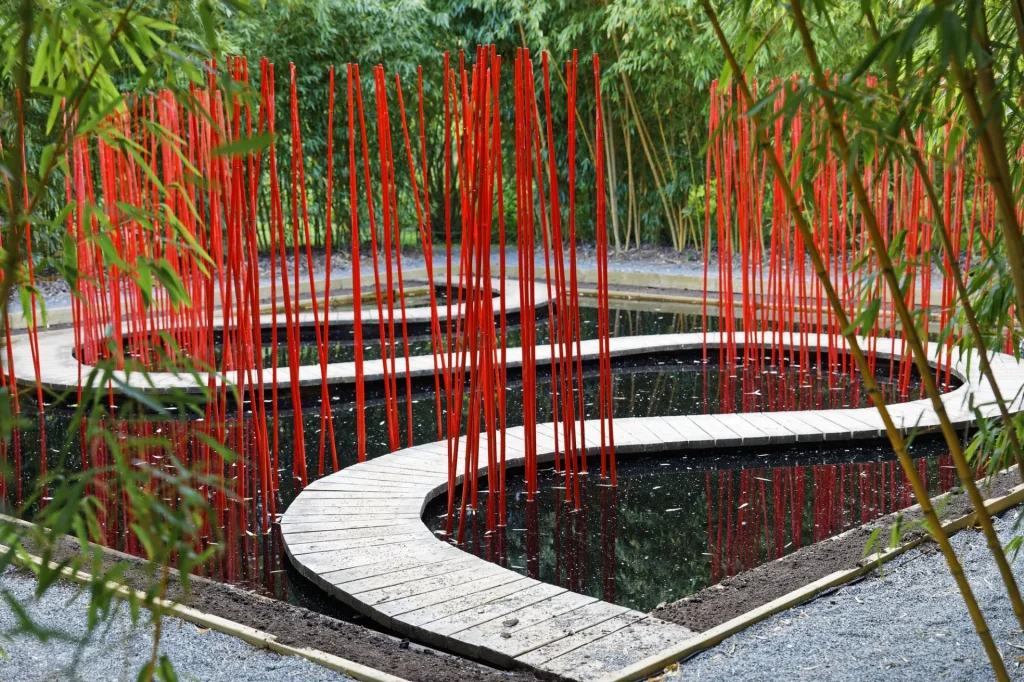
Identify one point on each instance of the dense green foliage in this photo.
(658, 60)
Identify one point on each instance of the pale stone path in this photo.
(359, 535)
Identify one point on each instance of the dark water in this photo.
(622, 322)
(643, 386)
(676, 524)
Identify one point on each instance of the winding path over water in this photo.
(359, 535)
(59, 370)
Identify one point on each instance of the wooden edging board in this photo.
(251, 635)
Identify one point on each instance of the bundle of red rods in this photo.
(778, 290)
(172, 204)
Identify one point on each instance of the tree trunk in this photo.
(609, 143)
(631, 207)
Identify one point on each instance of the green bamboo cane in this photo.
(954, 265)
(910, 333)
(988, 124)
(896, 439)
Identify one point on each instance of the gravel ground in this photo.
(118, 649)
(909, 623)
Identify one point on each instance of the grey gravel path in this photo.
(907, 624)
(118, 652)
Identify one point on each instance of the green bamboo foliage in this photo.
(799, 208)
(909, 327)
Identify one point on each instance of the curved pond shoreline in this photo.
(358, 533)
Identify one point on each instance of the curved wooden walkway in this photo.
(358, 533)
(59, 370)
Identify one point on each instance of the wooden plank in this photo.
(398, 607)
(777, 433)
(618, 650)
(397, 575)
(750, 434)
(300, 548)
(494, 609)
(329, 562)
(463, 574)
(420, 618)
(541, 655)
(487, 635)
(513, 643)
(724, 436)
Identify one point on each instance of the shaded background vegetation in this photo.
(658, 60)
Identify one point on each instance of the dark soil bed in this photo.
(753, 588)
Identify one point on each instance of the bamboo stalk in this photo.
(954, 267)
(910, 333)
(895, 437)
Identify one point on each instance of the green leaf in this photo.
(70, 264)
(165, 671)
(243, 145)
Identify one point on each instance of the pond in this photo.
(678, 522)
(669, 384)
